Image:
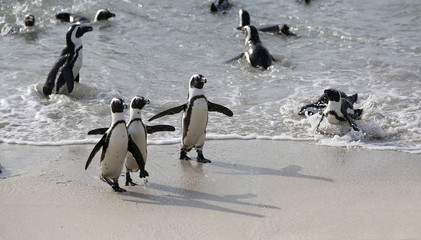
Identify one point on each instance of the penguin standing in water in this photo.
(255, 53)
(339, 110)
(195, 118)
(67, 67)
(115, 144)
(101, 15)
(320, 104)
(244, 20)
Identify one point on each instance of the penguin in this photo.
(195, 118)
(67, 67)
(320, 104)
(138, 132)
(244, 20)
(255, 53)
(220, 6)
(101, 14)
(29, 22)
(339, 110)
(115, 144)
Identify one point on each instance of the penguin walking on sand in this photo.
(138, 133)
(255, 53)
(67, 67)
(101, 15)
(339, 110)
(195, 118)
(244, 20)
(115, 144)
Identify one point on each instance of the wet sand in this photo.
(254, 189)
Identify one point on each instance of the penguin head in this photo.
(103, 14)
(251, 34)
(75, 32)
(333, 95)
(244, 18)
(139, 102)
(29, 20)
(64, 17)
(117, 105)
(197, 81)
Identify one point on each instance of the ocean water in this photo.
(152, 48)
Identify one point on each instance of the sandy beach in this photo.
(253, 189)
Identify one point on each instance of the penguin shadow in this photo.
(289, 171)
(181, 197)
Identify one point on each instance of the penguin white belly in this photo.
(333, 107)
(78, 64)
(138, 134)
(198, 121)
(113, 162)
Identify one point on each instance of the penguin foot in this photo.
(129, 180)
(202, 159)
(183, 156)
(118, 189)
(143, 174)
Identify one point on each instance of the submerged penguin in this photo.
(67, 67)
(339, 110)
(320, 104)
(195, 118)
(101, 15)
(29, 22)
(255, 53)
(244, 20)
(116, 143)
(220, 6)
(138, 133)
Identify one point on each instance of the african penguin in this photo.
(244, 20)
(319, 105)
(220, 6)
(339, 110)
(67, 67)
(101, 14)
(195, 118)
(115, 144)
(29, 22)
(256, 54)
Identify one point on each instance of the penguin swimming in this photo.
(320, 104)
(67, 67)
(115, 144)
(220, 6)
(255, 53)
(29, 22)
(339, 110)
(101, 14)
(138, 133)
(195, 118)
(244, 20)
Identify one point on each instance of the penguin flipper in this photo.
(213, 107)
(52, 75)
(97, 131)
(95, 150)
(159, 128)
(169, 112)
(235, 58)
(68, 77)
(134, 150)
(352, 122)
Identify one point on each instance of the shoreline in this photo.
(252, 189)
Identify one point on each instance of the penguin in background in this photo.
(195, 118)
(255, 52)
(29, 22)
(244, 20)
(67, 67)
(116, 143)
(101, 15)
(339, 110)
(220, 6)
(138, 133)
